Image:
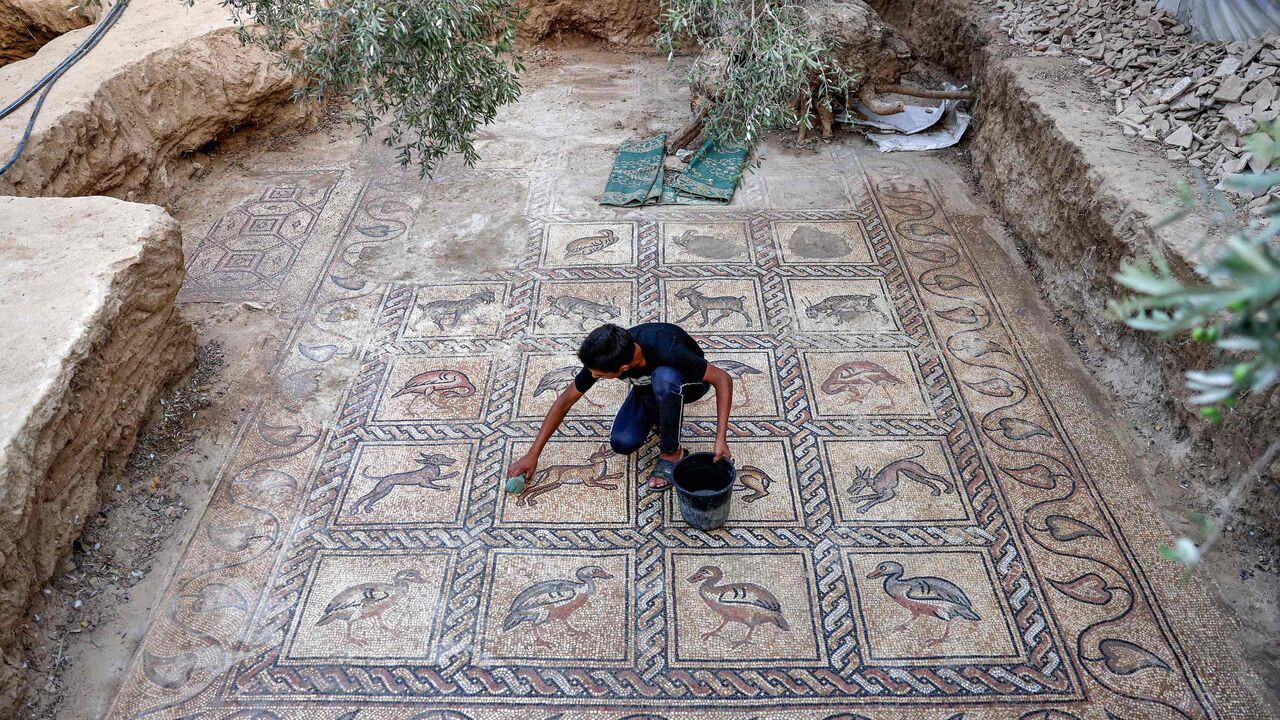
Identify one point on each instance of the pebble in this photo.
(1199, 99)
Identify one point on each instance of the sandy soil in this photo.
(96, 612)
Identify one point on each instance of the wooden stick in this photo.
(867, 94)
(825, 116)
(930, 94)
(687, 134)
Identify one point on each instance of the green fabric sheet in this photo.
(709, 179)
(637, 173)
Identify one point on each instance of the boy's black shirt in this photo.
(663, 345)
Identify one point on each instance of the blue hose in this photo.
(46, 83)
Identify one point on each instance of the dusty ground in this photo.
(97, 611)
(1245, 565)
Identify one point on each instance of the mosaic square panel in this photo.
(420, 388)
(407, 483)
(457, 310)
(755, 392)
(931, 607)
(557, 608)
(570, 245)
(867, 383)
(893, 481)
(381, 608)
(544, 375)
(713, 305)
(847, 305)
(579, 483)
(578, 307)
(765, 493)
(743, 608)
(703, 243)
(800, 192)
(834, 242)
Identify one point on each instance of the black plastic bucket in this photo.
(704, 488)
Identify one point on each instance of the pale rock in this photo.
(166, 80)
(1154, 27)
(98, 340)
(1251, 53)
(1231, 166)
(1264, 91)
(1227, 67)
(1178, 87)
(1258, 71)
(1182, 137)
(1230, 89)
(1186, 102)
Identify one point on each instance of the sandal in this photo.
(662, 471)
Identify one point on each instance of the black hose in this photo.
(45, 83)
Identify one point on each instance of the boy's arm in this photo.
(555, 415)
(723, 384)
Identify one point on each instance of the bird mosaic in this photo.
(743, 603)
(554, 600)
(590, 244)
(739, 372)
(369, 601)
(558, 379)
(925, 596)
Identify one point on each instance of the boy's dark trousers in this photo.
(661, 403)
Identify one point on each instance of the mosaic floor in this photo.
(927, 523)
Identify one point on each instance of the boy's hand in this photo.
(526, 466)
(722, 450)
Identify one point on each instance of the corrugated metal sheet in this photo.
(1228, 19)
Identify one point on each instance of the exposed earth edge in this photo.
(164, 82)
(1080, 198)
(102, 341)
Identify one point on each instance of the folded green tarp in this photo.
(638, 177)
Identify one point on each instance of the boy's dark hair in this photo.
(607, 348)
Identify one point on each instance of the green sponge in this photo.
(515, 484)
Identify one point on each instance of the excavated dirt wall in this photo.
(622, 22)
(97, 341)
(125, 121)
(1080, 197)
(26, 25)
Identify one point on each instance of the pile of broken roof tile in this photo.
(1198, 99)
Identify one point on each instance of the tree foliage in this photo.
(758, 57)
(1236, 309)
(432, 71)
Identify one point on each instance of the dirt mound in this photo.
(624, 22)
(26, 25)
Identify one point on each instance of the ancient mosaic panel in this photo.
(249, 252)
(913, 534)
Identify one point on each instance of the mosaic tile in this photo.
(916, 531)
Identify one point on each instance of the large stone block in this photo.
(91, 337)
